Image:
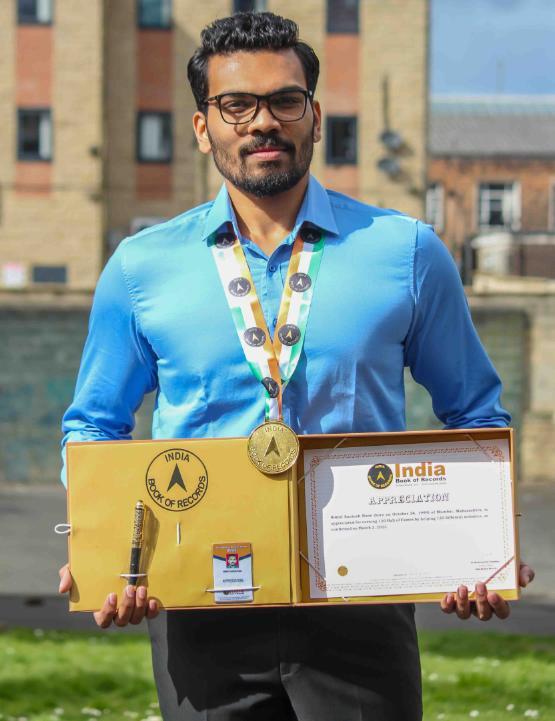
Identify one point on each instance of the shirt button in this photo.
(273, 268)
(274, 322)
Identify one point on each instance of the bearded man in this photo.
(388, 295)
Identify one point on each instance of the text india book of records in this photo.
(205, 494)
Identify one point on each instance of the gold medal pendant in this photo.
(273, 447)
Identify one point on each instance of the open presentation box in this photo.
(203, 492)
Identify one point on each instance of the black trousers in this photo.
(334, 663)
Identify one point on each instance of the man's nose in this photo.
(264, 121)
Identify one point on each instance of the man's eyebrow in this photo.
(287, 88)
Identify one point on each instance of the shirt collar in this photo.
(315, 209)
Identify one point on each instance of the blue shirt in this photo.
(388, 295)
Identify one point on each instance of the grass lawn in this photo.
(62, 676)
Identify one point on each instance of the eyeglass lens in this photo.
(241, 107)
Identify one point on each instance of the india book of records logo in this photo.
(176, 479)
(380, 475)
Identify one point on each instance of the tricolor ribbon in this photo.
(273, 362)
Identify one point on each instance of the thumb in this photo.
(66, 580)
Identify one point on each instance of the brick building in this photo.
(96, 142)
(491, 173)
(96, 116)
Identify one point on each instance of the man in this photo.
(387, 295)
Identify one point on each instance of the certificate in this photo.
(413, 518)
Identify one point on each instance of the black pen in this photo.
(136, 543)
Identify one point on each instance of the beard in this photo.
(269, 179)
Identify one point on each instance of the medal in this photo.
(273, 447)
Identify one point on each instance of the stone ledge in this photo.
(46, 299)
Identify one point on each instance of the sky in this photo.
(492, 46)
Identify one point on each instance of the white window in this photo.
(154, 137)
(34, 12)
(434, 205)
(34, 134)
(499, 205)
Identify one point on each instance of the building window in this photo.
(34, 134)
(249, 6)
(341, 140)
(342, 16)
(154, 13)
(154, 137)
(49, 274)
(34, 12)
(434, 205)
(499, 206)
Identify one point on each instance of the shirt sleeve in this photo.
(442, 347)
(118, 366)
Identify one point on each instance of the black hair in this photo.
(248, 31)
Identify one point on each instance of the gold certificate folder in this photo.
(197, 493)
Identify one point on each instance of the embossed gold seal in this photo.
(273, 447)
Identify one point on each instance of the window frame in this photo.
(514, 223)
(142, 25)
(160, 113)
(440, 205)
(27, 21)
(263, 6)
(38, 267)
(23, 156)
(333, 160)
(333, 29)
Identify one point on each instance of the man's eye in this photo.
(287, 101)
(236, 106)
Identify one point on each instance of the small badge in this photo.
(232, 563)
(225, 240)
(310, 234)
(239, 287)
(271, 386)
(254, 336)
(289, 334)
(299, 282)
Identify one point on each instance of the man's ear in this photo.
(317, 125)
(201, 132)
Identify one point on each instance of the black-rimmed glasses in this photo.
(285, 105)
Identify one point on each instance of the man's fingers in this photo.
(66, 580)
(152, 609)
(140, 606)
(463, 604)
(104, 617)
(526, 575)
(483, 610)
(126, 606)
(447, 603)
(500, 607)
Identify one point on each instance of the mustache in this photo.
(266, 143)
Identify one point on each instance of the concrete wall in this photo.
(42, 344)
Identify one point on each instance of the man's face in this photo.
(265, 156)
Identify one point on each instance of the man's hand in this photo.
(133, 608)
(487, 603)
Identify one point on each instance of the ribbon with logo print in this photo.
(272, 362)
